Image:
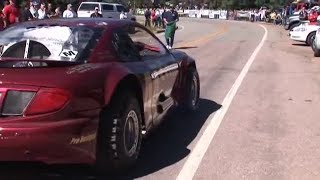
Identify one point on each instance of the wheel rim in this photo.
(131, 133)
(194, 91)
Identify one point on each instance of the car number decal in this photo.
(68, 53)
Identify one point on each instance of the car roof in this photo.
(73, 22)
(102, 3)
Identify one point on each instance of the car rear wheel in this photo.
(119, 134)
(192, 90)
(310, 38)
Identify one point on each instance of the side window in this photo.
(107, 7)
(146, 44)
(87, 7)
(121, 8)
(124, 46)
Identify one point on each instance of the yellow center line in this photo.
(203, 39)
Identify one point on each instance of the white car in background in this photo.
(304, 33)
(108, 10)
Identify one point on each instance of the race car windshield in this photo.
(58, 43)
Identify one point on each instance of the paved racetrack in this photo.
(269, 131)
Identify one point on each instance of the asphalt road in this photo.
(258, 115)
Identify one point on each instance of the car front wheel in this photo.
(315, 49)
(119, 134)
(192, 89)
(310, 38)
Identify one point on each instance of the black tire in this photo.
(115, 151)
(293, 26)
(192, 93)
(310, 38)
(316, 52)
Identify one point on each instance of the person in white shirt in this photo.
(69, 13)
(123, 15)
(42, 12)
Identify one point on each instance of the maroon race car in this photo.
(86, 90)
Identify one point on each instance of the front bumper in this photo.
(297, 36)
(67, 141)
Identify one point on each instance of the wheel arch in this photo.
(129, 82)
(314, 31)
(309, 35)
(186, 64)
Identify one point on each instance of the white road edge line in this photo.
(192, 164)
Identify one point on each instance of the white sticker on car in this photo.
(169, 68)
(68, 53)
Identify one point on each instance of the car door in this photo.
(130, 58)
(163, 70)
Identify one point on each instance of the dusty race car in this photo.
(86, 90)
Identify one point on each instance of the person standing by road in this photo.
(26, 14)
(34, 9)
(147, 15)
(42, 12)
(57, 13)
(303, 15)
(11, 14)
(96, 13)
(1, 21)
(69, 13)
(170, 18)
(123, 15)
(50, 12)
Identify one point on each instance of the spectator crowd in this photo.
(10, 13)
(155, 17)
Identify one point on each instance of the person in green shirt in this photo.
(170, 18)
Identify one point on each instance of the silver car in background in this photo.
(108, 10)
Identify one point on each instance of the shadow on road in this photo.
(164, 147)
(299, 44)
(186, 47)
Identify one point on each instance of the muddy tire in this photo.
(119, 135)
